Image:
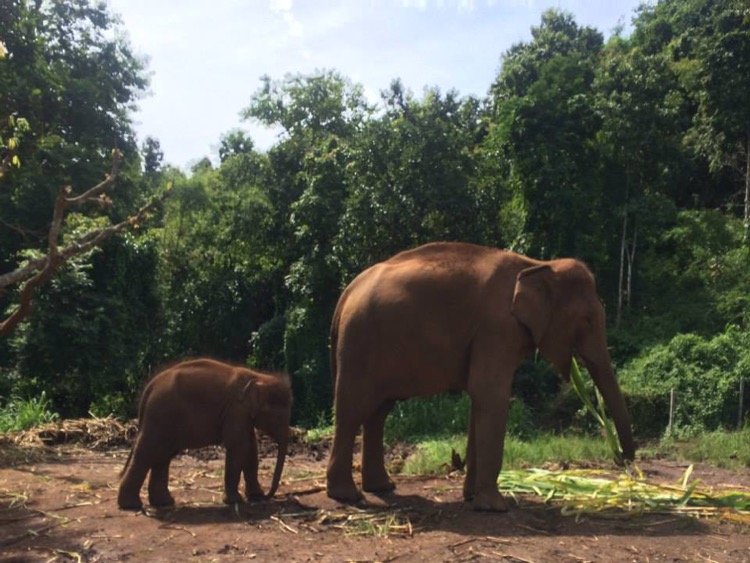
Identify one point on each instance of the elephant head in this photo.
(271, 407)
(558, 303)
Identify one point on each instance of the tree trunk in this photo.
(631, 261)
(623, 245)
(747, 187)
(623, 238)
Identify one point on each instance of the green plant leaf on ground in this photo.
(584, 491)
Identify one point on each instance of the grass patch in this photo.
(729, 450)
(21, 414)
(434, 456)
(319, 433)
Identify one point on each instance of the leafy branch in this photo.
(38, 271)
(14, 128)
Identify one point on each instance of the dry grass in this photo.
(34, 445)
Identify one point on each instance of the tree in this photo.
(708, 46)
(320, 114)
(68, 70)
(152, 156)
(39, 270)
(234, 143)
(409, 178)
(74, 85)
(544, 123)
(215, 274)
(641, 107)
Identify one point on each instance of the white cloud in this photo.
(207, 58)
(285, 9)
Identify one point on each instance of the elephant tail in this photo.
(141, 410)
(335, 338)
(127, 461)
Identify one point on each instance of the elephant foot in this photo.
(378, 486)
(490, 502)
(254, 496)
(253, 491)
(161, 500)
(468, 488)
(233, 498)
(126, 503)
(344, 493)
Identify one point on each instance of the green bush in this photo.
(649, 412)
(704, 372)
(440, 415)
(21, 414)
(446, 415)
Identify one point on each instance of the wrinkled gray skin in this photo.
(200, 403)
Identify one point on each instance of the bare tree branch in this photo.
(39, 271)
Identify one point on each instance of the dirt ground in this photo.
(60, 505)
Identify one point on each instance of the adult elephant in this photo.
(454, 316)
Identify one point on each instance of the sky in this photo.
(205, 59)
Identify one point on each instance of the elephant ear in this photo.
(533, 300)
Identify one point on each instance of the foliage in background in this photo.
(72, 76)
(434, 455)
(445, 415)
(21, 414)
(720, 448)
(704, 373)
(630, 153)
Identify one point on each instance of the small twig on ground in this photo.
(179, 528)
(30, 534)
(284, 525)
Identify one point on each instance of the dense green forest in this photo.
(630, 153)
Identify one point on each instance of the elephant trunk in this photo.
(280, 458)
(606, 383)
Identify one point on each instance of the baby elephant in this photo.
(199, 403)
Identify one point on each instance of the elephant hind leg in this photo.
(158, 485)
(375, 478)
(339, 480)
(128, 494)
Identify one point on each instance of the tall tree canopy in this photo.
(630, 153)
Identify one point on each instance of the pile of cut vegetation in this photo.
(594, 492)
(94, 433)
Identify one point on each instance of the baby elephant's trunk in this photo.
(281, 457)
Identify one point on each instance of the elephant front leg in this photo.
(471, 461)
(253, 490)
(375, 478)
(490, 402)
(235, 460)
